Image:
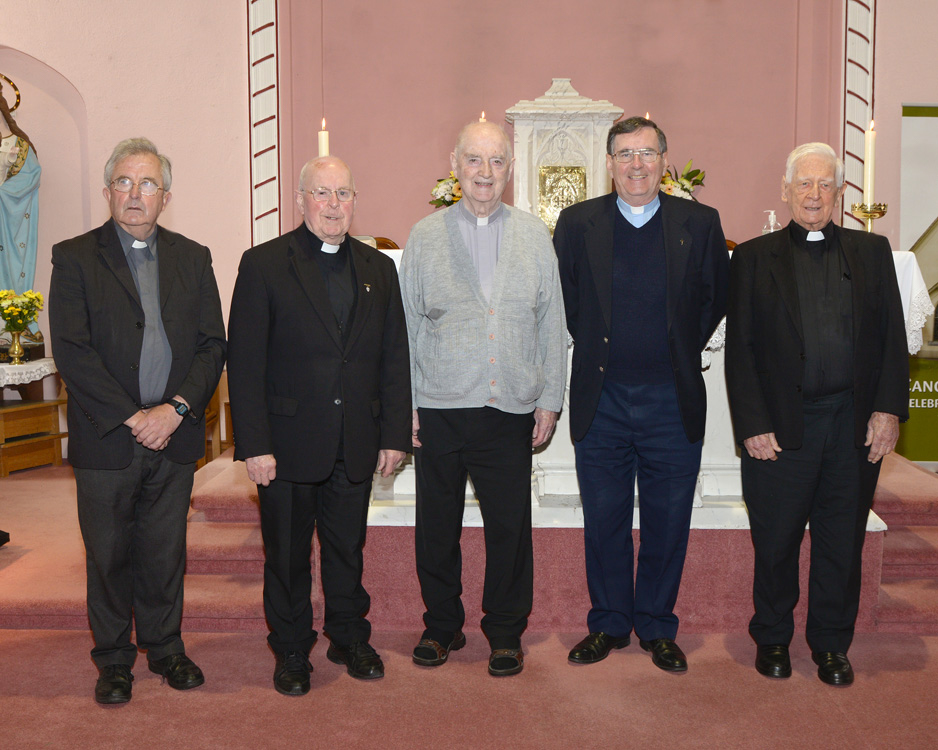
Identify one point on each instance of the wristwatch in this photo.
(181, 409)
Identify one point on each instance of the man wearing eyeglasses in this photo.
(644, 280)
(138, 336)
(319, 382)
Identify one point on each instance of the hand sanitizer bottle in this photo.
(772, 224)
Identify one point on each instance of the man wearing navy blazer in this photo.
(319, 379)
(644, 279)
(817, 373)
(138, 336)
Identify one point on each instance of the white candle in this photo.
(869, 164)
(482, 119)
(324, 139)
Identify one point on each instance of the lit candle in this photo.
(482, 119)
(647, 116)
(869, 169)
(324, 139)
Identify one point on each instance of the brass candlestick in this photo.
(868, 212)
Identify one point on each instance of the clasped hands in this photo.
(153, 427)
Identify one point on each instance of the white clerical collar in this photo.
(649, 207)
(331, 249)
(480, 221)
(815, 236)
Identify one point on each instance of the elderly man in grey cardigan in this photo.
(488, 358)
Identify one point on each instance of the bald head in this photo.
(489, 130)
(309, 170)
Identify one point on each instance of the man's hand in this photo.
(763, 447)
(262, 469)
(389, 460)
(544, 423)
(415, 431)
(882, 432)
(154, 429)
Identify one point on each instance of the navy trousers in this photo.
(637, 431)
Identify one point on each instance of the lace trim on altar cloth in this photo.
(26, 372)
(920, 307)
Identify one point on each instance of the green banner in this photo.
(918, 438)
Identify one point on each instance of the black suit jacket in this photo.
(765, 345)
(697, 269)
(96, 323)
(295, 390)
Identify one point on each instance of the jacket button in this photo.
(138, 324)
(803, 356)
(135, 366)
(798, 388)
(338, 402)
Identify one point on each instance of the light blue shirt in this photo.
(638, 216)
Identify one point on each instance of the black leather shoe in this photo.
(113, 685)
(360, 658)
(291, 675)
(596, 647)
(431, 653)
(505, 661)
(178, 671)
(665, 654)
(773, 660)
(833, 668)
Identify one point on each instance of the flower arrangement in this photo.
(682, 185)
(19, 310)
(447, 191)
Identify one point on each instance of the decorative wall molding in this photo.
(859, 58)
(264, 108)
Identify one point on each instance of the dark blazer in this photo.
(697, 269)
(295, 390)
(765, 348)
(96, 324)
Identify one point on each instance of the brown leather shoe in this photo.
(666, 654)
(505, 661)
(431, 653)
(596, 647)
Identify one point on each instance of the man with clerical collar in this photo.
(644, 278)
(817, 374)
(319, 381)
(488, 360)
(138, 336)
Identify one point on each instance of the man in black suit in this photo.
(138, 336)
(319, 378)
(817, 372)
(644, 280)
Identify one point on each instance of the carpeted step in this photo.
(216, 548)
(909, 606)
(229, 496)
(910, 552)
(907, 494)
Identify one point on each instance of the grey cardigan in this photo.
(509, 352)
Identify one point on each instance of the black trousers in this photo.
(829, 483)
(290, 511)
(494, 448)
(133, 523)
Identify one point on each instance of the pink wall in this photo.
(905, 73)
(95, 72)
(734, 84)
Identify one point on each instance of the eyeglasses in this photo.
(647, 155)
(321, 195)
(125, 185)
